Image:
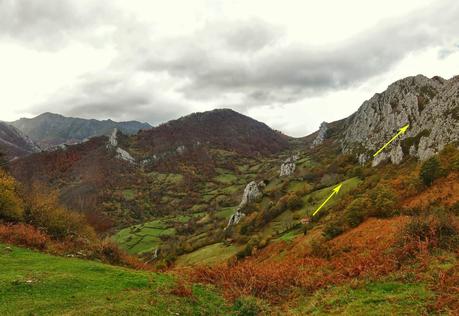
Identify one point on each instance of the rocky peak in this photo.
(321, 135)
(252, 192)
(120, 153)
(430, 106)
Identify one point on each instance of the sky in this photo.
(290, 64)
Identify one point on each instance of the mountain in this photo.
(429, 106)
(50, 129)
(13, 143)
(221, 128)
(277, 225)
(169, 163)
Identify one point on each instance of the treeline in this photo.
(37, 220)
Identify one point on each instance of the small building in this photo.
(305, 220)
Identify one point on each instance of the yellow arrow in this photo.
(335, 191)
(400, 132)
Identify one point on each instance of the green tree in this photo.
(356, 211)
(384, 200)
(11, 205)
(430, 170)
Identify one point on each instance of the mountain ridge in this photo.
(14, 144)
(50, 129)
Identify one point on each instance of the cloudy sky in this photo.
(291, 64)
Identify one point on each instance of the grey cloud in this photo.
(238, 64)
(251, 36)
(289, 73)
(50, 24)
(116, 98)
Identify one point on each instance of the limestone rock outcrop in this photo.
(429, 106)
(120, 153)
(321, 135)
(288, 166)
(251, 193)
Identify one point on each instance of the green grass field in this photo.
(208, 255)
(377, 298)
(32, 283)
(138, 239)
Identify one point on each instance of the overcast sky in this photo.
(290, 64)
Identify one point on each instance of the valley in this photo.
(221, 207)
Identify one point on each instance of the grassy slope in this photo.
(35, 283)
(144, 237)
(208, 255)
(376, 298)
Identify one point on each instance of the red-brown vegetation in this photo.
(24, 235)
(368, 252)
(444, 190)
(362, 252)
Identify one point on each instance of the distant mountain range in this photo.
(14, 144)
(201, 146)
(49, 129)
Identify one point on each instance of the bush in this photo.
(384, 201)
(24, 235)
(294, 202)
(319, 249)
(436, 231)
(45, 212)
(11, 206)
(356, 211)
(247, 251)
(332, 229)
(249, 306)
(430, 170)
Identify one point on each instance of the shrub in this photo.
(332, 229)
(182, 289)
(45, 212)
(249, 306)
(294, 202)
(320, 249)
(455, 208)
(430, 170)
(247, 251)
(24, 235)
(384, 201)
(355, 212)
(11, 206)
(109, 252)
(432, 231)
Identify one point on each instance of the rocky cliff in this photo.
(429, 106)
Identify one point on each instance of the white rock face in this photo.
(288, 166)
(251, 194)
(424, 150)
(124, 155)
(378, 159)
(235, 219)
(396, 155)
(113, 140)
(363, 158)
(430, 106)
(120, 153)
(180, 149)
(321, 135)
